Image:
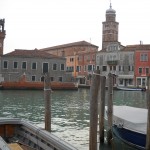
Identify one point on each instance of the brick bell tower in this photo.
(110, 28)
(2, 35)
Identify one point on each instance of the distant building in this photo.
(142, 64)
(80, 58)
(114, 58)
(34, 64)
(130, 64)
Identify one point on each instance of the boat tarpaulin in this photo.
(131, 118)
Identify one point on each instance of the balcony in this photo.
(112, 62)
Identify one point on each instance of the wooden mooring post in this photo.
(94, 110)
(102, 108)
(148, 115)
(47, 98)
(110, 107)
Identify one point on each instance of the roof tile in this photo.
(31, 53)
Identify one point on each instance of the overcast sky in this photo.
(39, 24)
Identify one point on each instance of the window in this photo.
(34, 65)
(62, 67)
(97, 68)
(15, 65)
(104, 68)
(70, 69)
(42, 79)
(93, 57)
(71, 59)
(144, 57)
(130, 81)
(120, 81)
(140, 70)
(5, 65)
(60, 79)
(89, 67)
(24, 65)
(33, 78)
(54, 66)
(138, 81)
(80, 58)
(78, 69)
(121, 68)
(112, 68)
(88, 58)
(147, 70)
(143, 81)
(52, 78)
(85, 68)
(45, 67)
(131, 68)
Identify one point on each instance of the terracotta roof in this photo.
(132, 47)
(80, 43)
(138, 47)
(31, 53)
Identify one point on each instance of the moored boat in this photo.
(37, 85)
(130, 88)
(23, 135)
(130, 125)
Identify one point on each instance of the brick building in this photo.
(142, 64)
(80, 58)
(34, 64)
(130, 64)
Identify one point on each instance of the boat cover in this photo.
(131, 118)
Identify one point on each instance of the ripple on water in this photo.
(70, 110)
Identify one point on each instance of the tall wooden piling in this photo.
(102, 108)
(94, 110)
(110, 107)
(148, 115)
(47, 98)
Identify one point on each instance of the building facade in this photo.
(34, 64)
(130, 64)
(113, 57)
(80, 58)
(142, 64)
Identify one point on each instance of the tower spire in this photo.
(110, 4)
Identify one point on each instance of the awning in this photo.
(125, 76)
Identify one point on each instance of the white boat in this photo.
(130, 125)
(130, 88)
(17, 134)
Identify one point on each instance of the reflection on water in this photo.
(70, 110)
(130, 98)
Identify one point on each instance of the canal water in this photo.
(70, 111)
